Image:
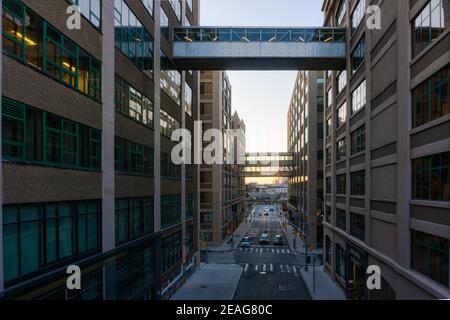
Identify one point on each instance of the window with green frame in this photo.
(134, 218)
(171, 250)
(429, 24)
(32, 40)
(170, 211)
(134, 272)
(132, 158)
(431, 98)
(40, 235)
(132, 38)
(431, 177)
(34, 136)
(133, 103)
(91, 9)
(168, 169)
(189, 206)
(430, 256)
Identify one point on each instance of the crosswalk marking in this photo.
(281, 268)
(246, 267)
(273, 251)
(287, 269)
(256, 268)
(264, 268)
(295, 269)
(271, 267)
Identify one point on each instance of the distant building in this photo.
(305, 141)
(222, 195)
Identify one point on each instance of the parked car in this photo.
(264, 239)
(278, 240)
(246, 242)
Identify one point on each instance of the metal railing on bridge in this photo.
(268, 165)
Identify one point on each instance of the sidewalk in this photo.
(299, 244)
(211, 282)
(325, 288)
(237, 238)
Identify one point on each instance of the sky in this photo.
(262, 98)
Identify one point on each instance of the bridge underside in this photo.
(263, 64)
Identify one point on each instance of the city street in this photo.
(270, 272)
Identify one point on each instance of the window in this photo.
(168, 169)
(429, 24)
(341, 184)
(30, 39)
(359, 97)
(132, 158)
(431, 98)
(342, 81)
(431, 177)
(357, 226)
(176, 6)
(170, 80)
(328, 155)
(91, 9)
(329, 98)
(189, 4)
(164, 22)
(170, 251)
(341, 217)
(206, 217)
(430, 256)
(134, 218)
(134, 272)
(168, 124)
(37, 236)
(189, 206)
(170, 210)
(34, 136)
(341, 150)
(328, 214)
(328, 185)
(188, 99)
(132, 38)
(358, 183)
(340, 13)
(328, 252)
(133, 103)
(329, 127)
(358, 138)
(148, 4)
(358, 14)
(340, 261)
(341, 115)
(359, 55)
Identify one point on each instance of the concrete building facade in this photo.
(305, 141)
(87, 118)
(222, 193)
(387, 147)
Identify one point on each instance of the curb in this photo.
(307, 287)
(237, 283)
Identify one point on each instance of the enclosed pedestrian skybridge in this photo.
(220, 48)
(267, 165)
